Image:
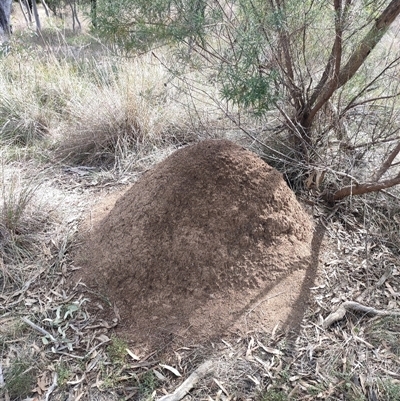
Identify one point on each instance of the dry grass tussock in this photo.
(90, 108)
(21, 117)
(105, 111)
(20, 222)
(35, 92)
(127, 112)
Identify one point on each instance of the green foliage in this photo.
(249, 88)
(246, 79)
(140, 24)
(258, 52)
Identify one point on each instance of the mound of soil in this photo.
(208, 242)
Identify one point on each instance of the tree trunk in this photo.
(5, 14)
(93, 12)
(28, 5)
(370, 40)
(74, 12)
(336, 75)
(36, 15)
(46, 8)
(25, 13)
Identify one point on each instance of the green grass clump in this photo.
(147, 385)
(384, 333)
(23, 119)
(390, 390)
(63, 375)
(19, 378)
(274, 395)
(20, 124)
(117, 350)
(122, 109)
(90, 108)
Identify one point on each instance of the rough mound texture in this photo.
(209, 236)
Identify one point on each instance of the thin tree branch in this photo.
(366, 101)
(288, 60)
(369, 41)
(351, 103)
(23, 12)
(340, 19)
(36, 15)
(325, 95)
(364, 48)
(387, 163)
(324, 78)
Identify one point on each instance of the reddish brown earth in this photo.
(209, 242)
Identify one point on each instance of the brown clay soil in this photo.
(210, 242)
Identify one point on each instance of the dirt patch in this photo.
(209, 242)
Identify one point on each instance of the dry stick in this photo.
(265, 300)
(189, 383)
(38, 328)
(52, 387)
(355, 306)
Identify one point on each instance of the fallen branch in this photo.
(356, 307)
(366, 187)
(189, 383)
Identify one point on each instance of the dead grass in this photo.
(21, 119)
(124, 112)
(20, 220)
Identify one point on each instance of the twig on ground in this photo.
(52, 387)
(189, 383)
(38, 328)
(355, 306)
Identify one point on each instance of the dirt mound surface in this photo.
(208, 242)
